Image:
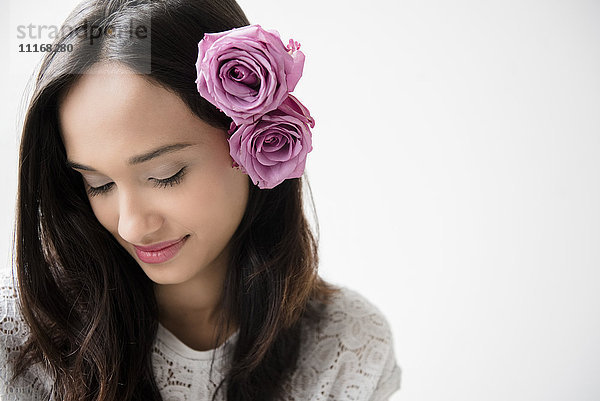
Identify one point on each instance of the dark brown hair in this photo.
(90, 307)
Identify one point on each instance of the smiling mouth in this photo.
(163, 254)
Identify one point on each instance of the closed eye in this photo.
(159, 183)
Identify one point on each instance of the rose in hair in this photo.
(247, 72)
(273, 148)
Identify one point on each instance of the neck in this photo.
(193, 303)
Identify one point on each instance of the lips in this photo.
(164, 251)
(159, 246)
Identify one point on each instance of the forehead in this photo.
(111, 109)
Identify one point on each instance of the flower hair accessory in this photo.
(248, 74)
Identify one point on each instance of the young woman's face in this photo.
(108, 121)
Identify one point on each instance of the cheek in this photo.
(219, 200)
(224, 190)
(104, 213)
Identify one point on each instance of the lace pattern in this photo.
(34, 385)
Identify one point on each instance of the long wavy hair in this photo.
(91, 309)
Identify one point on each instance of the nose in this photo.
(138, 218)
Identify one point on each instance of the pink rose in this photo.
(247, 72)
(273, 148)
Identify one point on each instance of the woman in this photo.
(157, 258)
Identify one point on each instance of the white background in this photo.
(456, 177)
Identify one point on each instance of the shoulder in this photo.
(349, 352)
(352, 318)
(13, 335)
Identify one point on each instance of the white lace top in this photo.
(348, 356)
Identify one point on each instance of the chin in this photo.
(165, 274)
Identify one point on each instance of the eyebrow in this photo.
(154, 153)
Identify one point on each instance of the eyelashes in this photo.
(158, 183)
